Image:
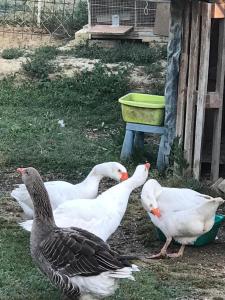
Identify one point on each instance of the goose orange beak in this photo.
(20, 170)
(124, 176)
(156, 212)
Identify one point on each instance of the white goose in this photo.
(181, 214)
(102, 215)
(62, 191)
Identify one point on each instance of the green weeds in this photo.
(12, 53)
(40, 64)
(136, 53)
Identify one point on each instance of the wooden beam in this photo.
(110, 30)
(202, 86)
(217, 128)
(192, 84)
(213, 100)
(182, 85)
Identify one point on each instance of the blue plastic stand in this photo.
(135, 136)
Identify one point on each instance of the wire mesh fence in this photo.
(38, 17)
(136, 13)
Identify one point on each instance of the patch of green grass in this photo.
(48, 52)
(12, 53)
(87, 102)
(158, 87)
(139, 54)
(154, 70)
(40, 65)
(136, 53)
(19, 278)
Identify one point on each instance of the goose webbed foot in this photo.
(178, 254)
(163, 252)
(159, 255)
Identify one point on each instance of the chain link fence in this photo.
(57, 18)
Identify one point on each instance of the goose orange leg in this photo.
(163, 252)
(178, 254)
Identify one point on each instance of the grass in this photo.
(88, 105)
(136, 53)
(40, 64)
(18, 271)
(12, 53)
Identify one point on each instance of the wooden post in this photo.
(89, 14)
(39, 7)
(202, 86)
(215, 165)
(181, 98)
(135, 15)
(192, 84)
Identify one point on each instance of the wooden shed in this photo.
(200, 113)
(194, 90)
(131, 19)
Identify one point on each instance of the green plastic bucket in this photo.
(204, 239)
(143, 108)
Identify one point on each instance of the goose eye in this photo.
(119, 171)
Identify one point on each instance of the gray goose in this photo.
(79, 263)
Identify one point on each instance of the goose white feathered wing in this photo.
(102, 215)
(59, 191)
(185, 226)
(182, 214)
(169, 199)
(180, 199)
(62, 191)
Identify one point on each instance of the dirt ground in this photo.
(68, 65)
(10, 40)
(203, 267)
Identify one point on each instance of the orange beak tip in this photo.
(156, 212)
(124, 176)
(20, 170)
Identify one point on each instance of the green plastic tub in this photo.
(143, 108)
(204, 239)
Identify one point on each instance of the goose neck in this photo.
(94, 175)
(42, 207)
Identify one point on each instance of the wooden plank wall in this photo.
(182, 90)
(202, 87)
(192, 84)
(193, 94)
(217, 128)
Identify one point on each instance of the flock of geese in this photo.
(70, 225)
